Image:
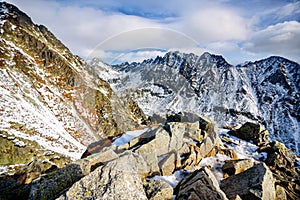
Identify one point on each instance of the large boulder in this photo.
(57, 181)
(118, 179)
(256, 183)
(252, 132)
(201, 184)
(282, 162)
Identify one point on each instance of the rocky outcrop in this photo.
(181, 143)
(159, 151)
(252, 132)
(254, 183)
(201, 184)
(132, 170)
(282, 162)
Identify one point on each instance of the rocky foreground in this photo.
(136, 170)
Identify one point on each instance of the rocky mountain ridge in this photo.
(265, 91)
(51, 93)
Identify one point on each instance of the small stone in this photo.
(232, 167)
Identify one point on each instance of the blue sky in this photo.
(132, 30)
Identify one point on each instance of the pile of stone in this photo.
(127, 171)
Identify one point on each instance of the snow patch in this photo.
(174, 179)
(129, 135)
(244, 149)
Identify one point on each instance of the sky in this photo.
(132, 30)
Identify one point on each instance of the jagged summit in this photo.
(265, 91)
(175, 58)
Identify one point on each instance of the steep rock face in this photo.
(55, 96)
(266, 91)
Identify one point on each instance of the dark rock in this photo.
(252, 132)
(158, 189)
(201, 184)
(50, 185)
(254, 183)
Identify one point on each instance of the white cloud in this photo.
(282, 38)
(101, 27)
(215, 24)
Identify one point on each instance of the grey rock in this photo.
(254, 183)
(177, 131)
(201, 184)
(154, 141)
(168, 164)
(192, 130)
(151, 161)
(118, 179)
(91, 162)
(252, 132)
(158, 190)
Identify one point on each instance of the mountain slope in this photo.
(266, 91)
(51, 93)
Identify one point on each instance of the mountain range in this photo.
(264, 91)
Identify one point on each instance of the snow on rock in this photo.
(174, 179)
(265, 91)
(129, 135)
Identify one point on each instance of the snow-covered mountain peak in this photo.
(265, 91)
